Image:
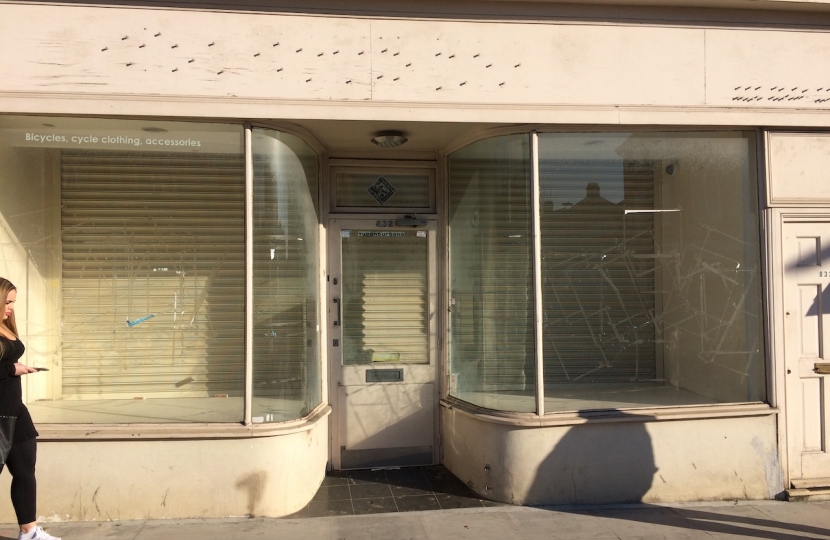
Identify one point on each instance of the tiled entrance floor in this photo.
(390, 490)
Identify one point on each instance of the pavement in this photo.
(760, 519)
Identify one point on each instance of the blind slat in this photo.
(153, 273)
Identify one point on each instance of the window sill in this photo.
(644, 414)
(121, 432)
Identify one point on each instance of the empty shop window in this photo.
(650, 274)
(127, 241)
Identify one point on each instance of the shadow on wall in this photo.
(597, 464)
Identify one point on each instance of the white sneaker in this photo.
(36, 534)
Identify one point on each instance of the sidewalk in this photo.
(762, 519)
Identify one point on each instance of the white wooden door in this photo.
(382, 306)
(806, 252)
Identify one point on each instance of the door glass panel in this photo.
(389, 189)
(385, 297)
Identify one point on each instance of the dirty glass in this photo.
(286, 354)
(651, 278)
(491, 275)
(357, 188)
(126, 242)
(385, 311)
(650, 271)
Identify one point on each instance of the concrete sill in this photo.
(652, 414)
(120, 432)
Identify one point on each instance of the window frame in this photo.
(221, 430)
(639, 413)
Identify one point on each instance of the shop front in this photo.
(249, 257)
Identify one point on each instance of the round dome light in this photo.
(389, 139)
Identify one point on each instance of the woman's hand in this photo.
(20, 369)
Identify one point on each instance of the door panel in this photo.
(386, 416)
(807, 323)
(383, 348)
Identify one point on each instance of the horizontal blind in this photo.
(492, 279)
(385, 298)
(598, 274)
(153, 274)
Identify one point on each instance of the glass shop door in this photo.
(382, 341)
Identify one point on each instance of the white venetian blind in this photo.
(153, 274)
(385, 291)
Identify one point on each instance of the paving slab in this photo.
(474, 524)
(762, 520)
(121, 530)
(282, 529)
(731, 522)
(810, 520)
(391, 526)
(654, 523)
(156, 530)
(557, 525)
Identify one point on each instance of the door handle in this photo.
(822, 369)
(337, 320)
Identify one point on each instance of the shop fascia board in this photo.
(572, 418)
(793, 5)
(236, 110)
(146, 432)
(470, 8)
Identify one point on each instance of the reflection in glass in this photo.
(286, 375)
(126, 239)
(491, 293)
(385, 297)
(650, 262)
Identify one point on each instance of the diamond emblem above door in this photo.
(381, 190)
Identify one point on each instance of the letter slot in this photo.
(384, 375)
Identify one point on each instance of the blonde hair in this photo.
(6, 287)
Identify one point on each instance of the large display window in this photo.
(126, 240)
(649, 271)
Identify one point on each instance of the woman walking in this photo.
(23, 453)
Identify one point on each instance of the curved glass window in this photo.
(286, 374)
(126, 240)
(491, 279)
(650, 273)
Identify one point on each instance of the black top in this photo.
(11, 392)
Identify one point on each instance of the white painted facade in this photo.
(335, 79)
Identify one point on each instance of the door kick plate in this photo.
(822, 369)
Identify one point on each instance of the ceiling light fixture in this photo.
(389, 139)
